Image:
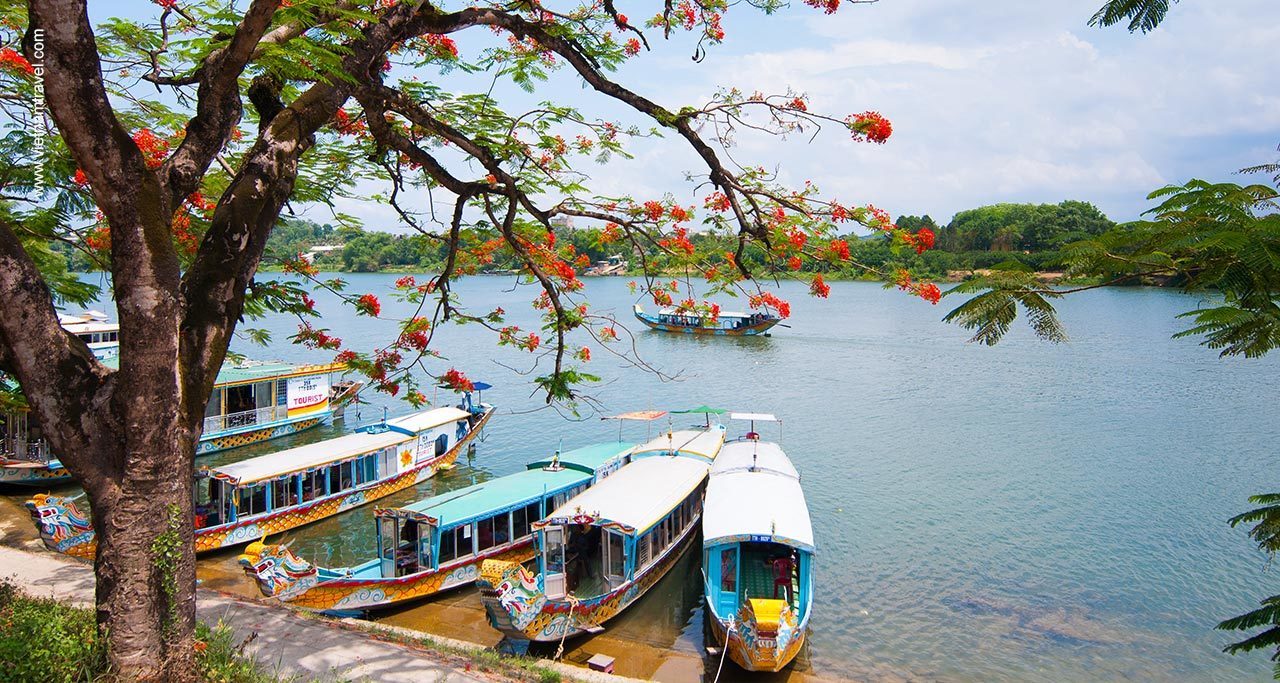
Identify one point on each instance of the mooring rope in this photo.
(573, 602)
(724, 650)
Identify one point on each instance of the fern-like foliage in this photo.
(1219, 238)
(1142, 15)
(1266, 533)
(991, 313)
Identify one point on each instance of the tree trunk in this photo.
(145, 564)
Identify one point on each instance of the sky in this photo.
(991, 101)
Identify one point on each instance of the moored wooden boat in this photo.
(246, 500)
(725, 324)
(439, 542)
(251, 402)
(757, 545)
(604, 548)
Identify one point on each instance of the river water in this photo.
(1024, 512)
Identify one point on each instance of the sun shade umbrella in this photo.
(702, 410)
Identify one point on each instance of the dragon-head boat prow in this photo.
(280, 573)
(62, 526)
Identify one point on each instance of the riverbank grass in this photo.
(46, 641)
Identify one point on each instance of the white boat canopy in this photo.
(422, 421)
(635, 497)
(322, 453)
(761, 504)
(306, 457)
(701, 442)
(754, 417)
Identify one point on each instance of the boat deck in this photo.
(757, 577)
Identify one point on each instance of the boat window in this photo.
(387, 535)
(214, 407)
(554, 540)
(484, 535)
(312, 485)
(442, 444)
(424, 544)
(502, 529)
(262, 394)
(386, 462)
(642, 551)
(523, 518)
(407, 550)
(208, 502)
(346, 477)
(448, 549)
(615, 563)
(455, 543)
(370, 468)
(284, 492)
(252, 501)
(729, 570)
(240, 400)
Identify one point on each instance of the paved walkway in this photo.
(293, 645)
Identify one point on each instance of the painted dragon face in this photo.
(279, 573)
(57, 518)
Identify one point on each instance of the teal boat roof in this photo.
(588, 458)
(257, 371)
(496, 495)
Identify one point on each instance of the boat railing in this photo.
(21, 449)
(221, 423)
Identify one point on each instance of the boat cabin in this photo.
(725, 321)
(274, 482)
(92, 328)
(252, 395)
(489, 517)
(621, 527)
(757, 537)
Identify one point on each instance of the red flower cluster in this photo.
(406, 282)
(312, 338)
(154, 149)
(345, 356)
(654, 210)
(930, 292)
(608, 333)
(612, 233)
(632, 47)
(718, 202)
(794, 263)
(819, 288)
(531, 342)
(584, 354)
(368, 304)
(441, 46)
(769, 300)
(924, 240)
(452, 379)
(870, 126)
(827, 6)
(840, 249)
(80, 178)
(300, 265)
(798, 104)
(680, 241)
(11, 60)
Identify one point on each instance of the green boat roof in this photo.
(588, 458)
(496, 495)
(257, 371)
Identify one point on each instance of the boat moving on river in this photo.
(246, 500)
(439, 542)
(603, 549)
(757, 553)
(725, 324)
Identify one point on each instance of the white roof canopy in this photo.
(640, 494)
(703, 442)
(307, 457)
(755, 417)
(422, 421)
(333, 450)
(765, 503)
